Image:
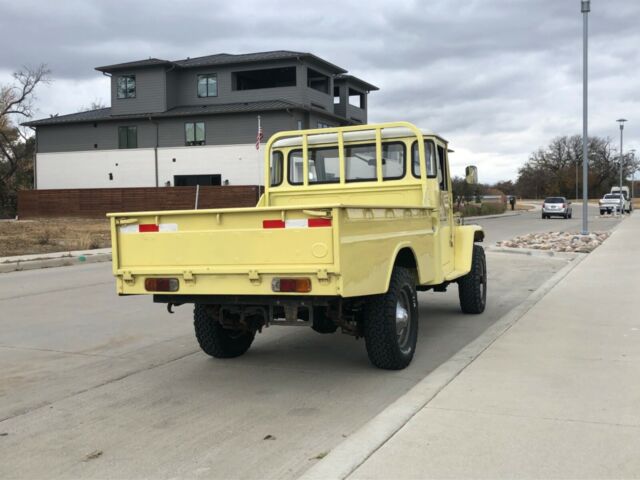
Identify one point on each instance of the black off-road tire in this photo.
(472, 288)
(215, 340)
(386, 347)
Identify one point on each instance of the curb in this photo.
(61, 259)
(501, 215)
(534, 252)
(346, 457)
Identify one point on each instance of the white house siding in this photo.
(91, 169)
(239, 164)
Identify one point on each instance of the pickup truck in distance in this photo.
(352, 223)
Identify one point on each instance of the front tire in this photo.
(214, 339)
(391, 322)
(472, 288)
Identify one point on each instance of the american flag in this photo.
(259, 137)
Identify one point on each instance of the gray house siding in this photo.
(151, 92)
(84, 136)
(187, 93)
(172, 89)
(228, 129)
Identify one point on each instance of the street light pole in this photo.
(621, 122)
(585, 8)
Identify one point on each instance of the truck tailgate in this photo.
(196, 245)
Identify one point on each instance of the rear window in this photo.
(324, 166)
(360, 162)
(554, 200)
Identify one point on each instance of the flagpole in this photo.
(258, 148)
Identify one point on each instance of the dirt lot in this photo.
(52, 235)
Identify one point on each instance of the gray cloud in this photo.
(497, 77)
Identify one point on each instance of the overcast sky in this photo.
(497, 78)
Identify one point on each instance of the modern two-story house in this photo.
(194, 121)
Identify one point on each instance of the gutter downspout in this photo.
(155, 150)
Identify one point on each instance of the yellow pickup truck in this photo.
(352, 223)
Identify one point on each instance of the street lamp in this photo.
(585, 7)
(621, 122)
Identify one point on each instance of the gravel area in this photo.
(558, 241)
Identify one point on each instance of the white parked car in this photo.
(556, 206)
(612, 202)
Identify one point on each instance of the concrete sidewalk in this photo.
(557, 395)
(57, 259)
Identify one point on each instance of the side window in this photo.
(429, 159)
(194, 133)
(275, 171)
(324, 166)
(126, 86)
(442, 169)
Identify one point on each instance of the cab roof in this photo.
(324, 138)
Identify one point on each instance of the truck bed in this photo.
(240, 251)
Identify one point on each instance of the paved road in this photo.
(531, 222)
(93, 385)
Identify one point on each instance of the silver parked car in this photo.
(558, 206)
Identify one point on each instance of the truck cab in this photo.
(353, 222)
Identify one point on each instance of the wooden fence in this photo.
(96, 202)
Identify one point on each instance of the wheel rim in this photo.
(403, 322)
(483, 281)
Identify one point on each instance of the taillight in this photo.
(297, 285)
(161, 284)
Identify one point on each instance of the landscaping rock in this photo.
(558, 241)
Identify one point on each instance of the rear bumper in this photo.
(555, 211)
(323, 283)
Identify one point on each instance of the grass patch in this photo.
(479, 209)
(46, 235)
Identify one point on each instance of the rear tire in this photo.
(391, 322)
(472, 288)
(215, 340)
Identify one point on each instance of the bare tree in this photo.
(16, 103)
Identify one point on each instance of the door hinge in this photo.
(323, 276)
(254, 277)
(128, 278)
(188, 276)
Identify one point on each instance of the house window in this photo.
(207, 85)
(323, 125)
(265, 78)
(126, 87)
(128, 137)
(194, 133)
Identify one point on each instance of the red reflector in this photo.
(161, 284)
(319, 222)
(272, 224)
(148, 227)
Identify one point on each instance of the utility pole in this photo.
(585, 8)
